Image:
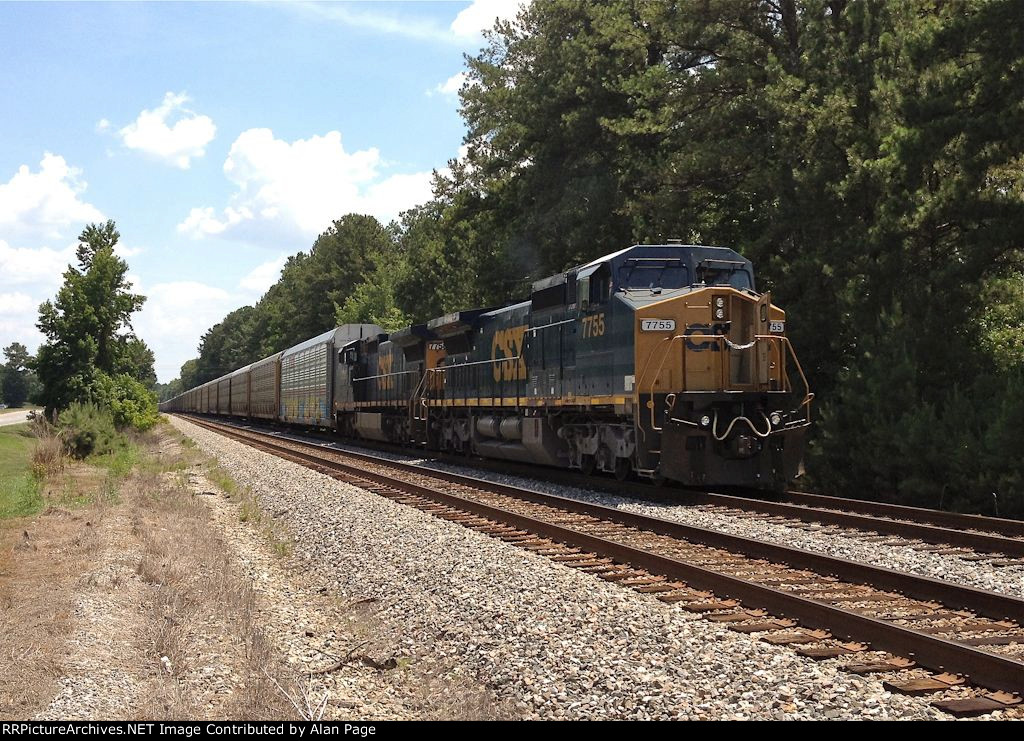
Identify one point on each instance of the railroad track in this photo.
(874, 619)
(995, 541)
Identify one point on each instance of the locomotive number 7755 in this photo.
(593, 325)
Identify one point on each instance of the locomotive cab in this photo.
(684, 370)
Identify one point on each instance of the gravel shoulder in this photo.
(542, 640)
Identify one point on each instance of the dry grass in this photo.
(195, 584)
(249, 510)
(40, 566)
(48, 457)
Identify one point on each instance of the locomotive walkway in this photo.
(825, 606)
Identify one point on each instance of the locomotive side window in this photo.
(601, 286)
(583, 292)
(593, 286)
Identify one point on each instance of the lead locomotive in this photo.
(660, 361)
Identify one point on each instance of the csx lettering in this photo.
(593, 325)
(507, 362)
(704, 329)
(384, 365)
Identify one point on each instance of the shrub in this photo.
(87, 430)
(49, 455)
(130, 403)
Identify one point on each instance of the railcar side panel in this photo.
(265, 387)
(224, 395)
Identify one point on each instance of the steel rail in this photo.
(984, 668)
(983, 602)
(977, 532)
(959, 520)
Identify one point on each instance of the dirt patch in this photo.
(41, 563)
(119, 601)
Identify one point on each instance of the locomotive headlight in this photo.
(719, 313)
(776, 419)
(705, 421)
(720, 302)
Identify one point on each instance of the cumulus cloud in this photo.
(481, 15)
(263, 276)
(467, 27)
(293, 190)
(43, 267)
(27, 278)
(177, 313)
(124, 252)
(15, 303)
(450, 87)
(41, 205)
(170, 132)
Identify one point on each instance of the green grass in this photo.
(121, 461)
(19, 489)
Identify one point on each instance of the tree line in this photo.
(868, 157)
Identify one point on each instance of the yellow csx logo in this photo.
(384, 365)
(506, 345)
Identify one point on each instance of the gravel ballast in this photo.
(832, 542)
(550, 641)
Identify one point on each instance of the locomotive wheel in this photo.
(588, 464)
(622, 469)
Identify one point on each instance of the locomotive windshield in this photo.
(653, 272)
(724, 273)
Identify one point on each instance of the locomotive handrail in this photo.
(808, 396)
(382, 375)
(455, 366)
(417, 398)
(475, 362)
(533, 330)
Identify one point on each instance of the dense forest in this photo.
(867, 156)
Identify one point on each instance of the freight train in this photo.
(658, 361)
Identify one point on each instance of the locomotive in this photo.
(657, 361)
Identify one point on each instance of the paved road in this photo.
(13, 418)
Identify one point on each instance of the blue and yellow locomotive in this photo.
(660, 361)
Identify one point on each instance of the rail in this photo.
(666, 548)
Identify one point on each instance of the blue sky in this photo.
(221, 137)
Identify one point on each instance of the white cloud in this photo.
(468, 25)
(293, 190)
(177, 313)
(27, 278)
(170, 132)
(481, 15)
(124, 252)
(418, 28)
(42, 268)
(263, 276)
(451, 86)
(175, 316)
(18, 319)
(42, 205)
(16, 303)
